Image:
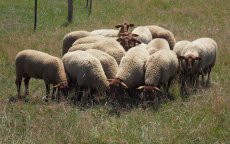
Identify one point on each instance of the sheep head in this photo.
(189, 62)
(124, 27)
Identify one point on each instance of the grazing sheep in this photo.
(159, 32)
(123, 28)
(144, 34)
(157, 44)
(198, 59)
(71, 37)
(85, 70)
(105, 32)
(109, 46)
(180, 46)
(130, 71)
(39, 65)
(108, 62)
(161, 68)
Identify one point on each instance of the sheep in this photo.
(161, 68)
(71, 37)
(123, 28)
(144, 34)
(157, 44)
(108, 62)
(39, 65)
(85, 70)
(159, 32)
(130, 71)
(180, 46)
(109, 46)
(198, 59)
(105, 32)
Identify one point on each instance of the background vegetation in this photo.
(203, 118)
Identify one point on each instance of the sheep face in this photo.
(117, 87)
(149, 94)
(63, 87)
(124, 27)
(189, 63)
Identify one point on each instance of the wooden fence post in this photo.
(70, 10)
(35, 14)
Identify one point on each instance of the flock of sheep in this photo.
(119, 64)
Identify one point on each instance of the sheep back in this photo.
(71, 37)
(157, 44)
(108, 62)
(180, 46)
(144, 35)
(159, 32)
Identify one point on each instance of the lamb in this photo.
(144, 34)
(39, 65)
(180, 46)
(85, 70)
(108, 46)
(157, 44)
(71, 37)
(198, 58)
(105, 32)
(159, 32)
(108, 62)
(161, 68)
(131, 71)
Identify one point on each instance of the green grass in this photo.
(203, 118)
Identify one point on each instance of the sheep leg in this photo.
(53, 93)
(170, 97)
(208, 79)
(26, 82)
(18, 84)
(47, 91)
(183, 84)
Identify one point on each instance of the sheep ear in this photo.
(55, 86)
(118, 26)
(157, 89)
(198, 58)
(135, 35)
(141, 87)
(131, 25)
(124, 85)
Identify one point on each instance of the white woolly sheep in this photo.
(157, 44)
(110, 47)
(198, 59)
(180, 46)
(144, 34)
(85, 70)
(108, 62)
(39, 65)
(161, 68)
(105, 32)
(71, 37)
(159, 32)
(130, 71)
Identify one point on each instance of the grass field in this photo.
(202, 118)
